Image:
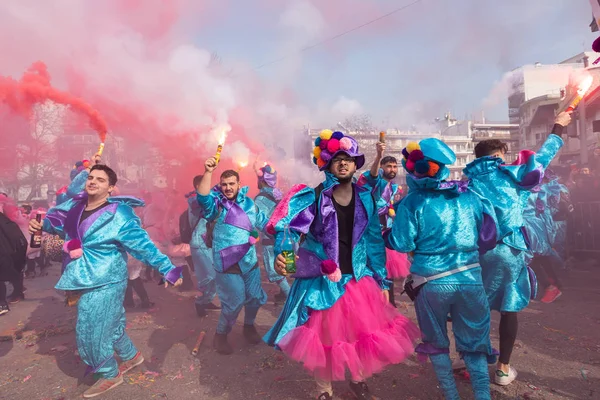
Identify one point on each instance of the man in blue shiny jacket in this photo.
(234, 222)
(266, 200)
(505, 274)
(446, 226)
(99, 231)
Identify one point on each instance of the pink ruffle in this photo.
(361, 333)
(397, 265)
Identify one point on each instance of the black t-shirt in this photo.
(345, 219)
(86, 213)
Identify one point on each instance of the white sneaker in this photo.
(503, 379)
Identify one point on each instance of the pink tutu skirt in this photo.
(361, 333)
(397, 265)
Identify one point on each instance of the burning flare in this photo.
(583, 88)
(220, 144)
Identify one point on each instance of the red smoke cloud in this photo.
(34, 88)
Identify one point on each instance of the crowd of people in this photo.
(459, 249)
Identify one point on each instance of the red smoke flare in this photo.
(34, 88)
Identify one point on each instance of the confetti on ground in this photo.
(178, 376)
(28, 377)
(140, 379)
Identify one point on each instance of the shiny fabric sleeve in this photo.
(376, 184)
(261, 219)
(208, 205)
(297, 213)
(136, 242)
(262, 212)
(56, 217)
(78, 184)
(376, 257)
(404, 230)
(549, 150)
(194, 211)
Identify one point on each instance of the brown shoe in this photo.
(102, 386)
(131, 364)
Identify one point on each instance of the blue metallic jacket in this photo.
(265, 204)
(321, 237)
(538, 216)
(106, 237)
(446, 226)
(383, 192)
(197, 222)
(311, 289)
(508, 186)
(76, 186)
(235, 221)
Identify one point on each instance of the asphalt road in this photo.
(557, 353)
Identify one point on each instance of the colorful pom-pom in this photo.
(86, 163)
(416, 155)
(434, 168)
(405, 153)
(328, 267)
(317, 141)
(317, 152)
(391, 212)
(73, 244)
(410, 165)
(337, 135)
(321, 163)
(252, 240)
(421, 167)
(74, 254)
(254, 234)
(333, 146)
(345, 143)
(326, 134)
(314, 160)
(336, 276)
(78, 164)
(325, 155)
(412, 146)
(323, 144)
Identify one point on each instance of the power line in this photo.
(339, 35)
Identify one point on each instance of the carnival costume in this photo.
(446, 226)
(234, 255)
(95, 268)
(397, 264)
(336, 320)
(201, 254)
(504, 270)
(266, 200)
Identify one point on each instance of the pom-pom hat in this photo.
(329, 144)
(428, 158)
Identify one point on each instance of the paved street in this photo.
(557, 355)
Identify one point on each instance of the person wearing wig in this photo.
(509, 283)
(446, 226)
(99, 230)
(266, 200)
(234, 223)
(337, 317)
(380, 181)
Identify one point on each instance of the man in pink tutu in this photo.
(380, 181)
(337, 318)
(446, 226)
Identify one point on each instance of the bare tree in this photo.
(36, 151)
